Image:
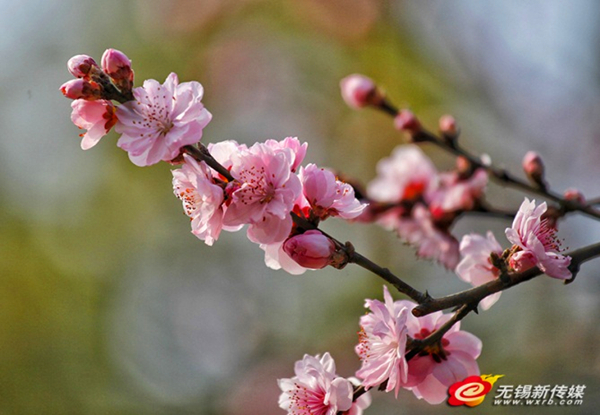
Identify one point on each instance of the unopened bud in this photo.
(464, 167)
(118, 66)
(534, 168)
(359, 91)
(80, 66)
(81, 89)
(448, 125)
(407, 121)
(574, 195)
(311, 249)
(522, 261)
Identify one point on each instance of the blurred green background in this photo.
(108, 304)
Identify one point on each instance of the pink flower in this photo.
(452, 194)
(202, 199)
(357, 90)
(223, 151)
(328, 196)
(161, 120)
(404, 176)
(316, 389)
(382, 344)
(537, 242)
(433, 243)
(263, 192)
(97, 117)
(298, 150)
(277, 258)
(431, 372)
(476, 266)
(311, 249)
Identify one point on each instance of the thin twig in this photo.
(437, 335)
(476, 294)
(500, 175)
(388, 276)
(202, 154)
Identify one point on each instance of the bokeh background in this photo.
(108, 305)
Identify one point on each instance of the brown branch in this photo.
(437, 335)
(388, 276)
(419, 345)
(363, 262)
(476, 294)
(201, 153)
(500, 175)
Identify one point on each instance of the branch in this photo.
(201, 154)
(388, 276)
(476, 294)
(437, 335)
(500, 175)
(358, 259)
(419, 345)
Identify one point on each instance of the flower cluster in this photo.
(534, 244)
(265, 184)
(386, 333)
(411, 197)
(265, 188)
(155, 120)
(263, 193)
(317, 390)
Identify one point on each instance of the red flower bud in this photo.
(358, 91)
(118, 67)
(80, 66)
(448, 125)
(534, 168)
(574, 195)
(407, 121)
(311, 249)
(81, 89)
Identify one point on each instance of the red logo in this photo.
(472, 390)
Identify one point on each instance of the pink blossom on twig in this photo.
(161, 120)
(328, 196)
(97, 117)
(537, 242)
(382, 344)
(439, 365)
(476, 266)
(315, 389)
(263, 192)
(202, 199)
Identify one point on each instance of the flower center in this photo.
(547, 236)
(255, 187)
(304, 401)
(156, 115)
(413, 190)
(436, 350)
